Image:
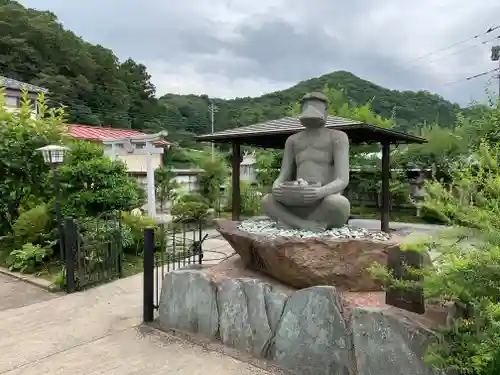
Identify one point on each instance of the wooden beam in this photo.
(235, 188)
(386, 175)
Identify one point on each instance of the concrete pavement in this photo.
(16, 293)
(99, 331)
(95, 332)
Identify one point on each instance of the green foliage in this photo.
(105, 229)
(92, 183)
(466, 269)
(215, 172)
(89, 79)
(250, 199)
(21, 167)
(165, 185)
(190, 208)
(32, 225)
(29, 258)
(409, 110)
(136, 225)
(267, 166)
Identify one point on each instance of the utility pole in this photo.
(495, 56)
(212, 108)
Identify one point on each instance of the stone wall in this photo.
(310, 331)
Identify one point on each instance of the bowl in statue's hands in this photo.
(292, 193)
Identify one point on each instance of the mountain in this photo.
(411, 109)
(99, 89)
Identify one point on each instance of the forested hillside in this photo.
(410, 109)
(99, 89)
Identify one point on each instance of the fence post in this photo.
(148, 282)
(71, 242)
(200, 241)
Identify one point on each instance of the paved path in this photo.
(96, 332)
(15, 293)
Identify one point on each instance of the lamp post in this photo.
(53, 155)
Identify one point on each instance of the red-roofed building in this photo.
(136, 164)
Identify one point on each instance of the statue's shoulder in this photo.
(293, 138)
(338, 136)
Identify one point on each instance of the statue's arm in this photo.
(287, 164)
(341, 166)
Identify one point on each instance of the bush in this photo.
(466, 270)
(250, 199)
(92, 183)
(190, 208)
(29, 258)
(103, 230)
(136, 225)
(23, 171)
(32, 225)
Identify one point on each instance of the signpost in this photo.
(139, 145)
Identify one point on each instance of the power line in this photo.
(464, 49)
(453, 45)
(472, 77)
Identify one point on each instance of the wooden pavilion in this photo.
(273, 134)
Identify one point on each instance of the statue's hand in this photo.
(277, 191)
(312, 195)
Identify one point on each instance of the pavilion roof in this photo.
(273, 134)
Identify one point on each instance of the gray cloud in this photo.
(248, 47)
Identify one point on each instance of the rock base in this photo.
(311, 331)
(304, 262)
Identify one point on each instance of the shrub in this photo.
(103, 230)
(32, 225)
(250, 199)
(190, 208)
(22, 169)
(92, 183)
(29, 258)
(136, 225)
(466, 270)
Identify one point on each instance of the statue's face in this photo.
(314, 113)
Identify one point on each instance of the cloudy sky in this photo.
(229, 48)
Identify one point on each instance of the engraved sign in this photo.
(399, 263)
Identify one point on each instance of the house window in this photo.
(12, 101)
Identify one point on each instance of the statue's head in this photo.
(314, 110)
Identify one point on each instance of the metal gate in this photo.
(93, 250)
(168, 247)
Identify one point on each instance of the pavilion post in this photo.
(235, 188)
(386, 175)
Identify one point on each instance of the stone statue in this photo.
(315, 170)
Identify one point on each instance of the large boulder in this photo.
(306, 262)
(312, 336)
(249, 310)
(188, 303)
(387, 341)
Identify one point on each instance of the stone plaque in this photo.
(398, 262)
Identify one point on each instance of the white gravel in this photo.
(271, 229)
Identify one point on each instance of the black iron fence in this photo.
(168, 247)
(93, 251)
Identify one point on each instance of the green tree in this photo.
(22, 168)
(165, 186)
(215, 173)
(92, 183)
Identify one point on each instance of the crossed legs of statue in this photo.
(331, 212)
